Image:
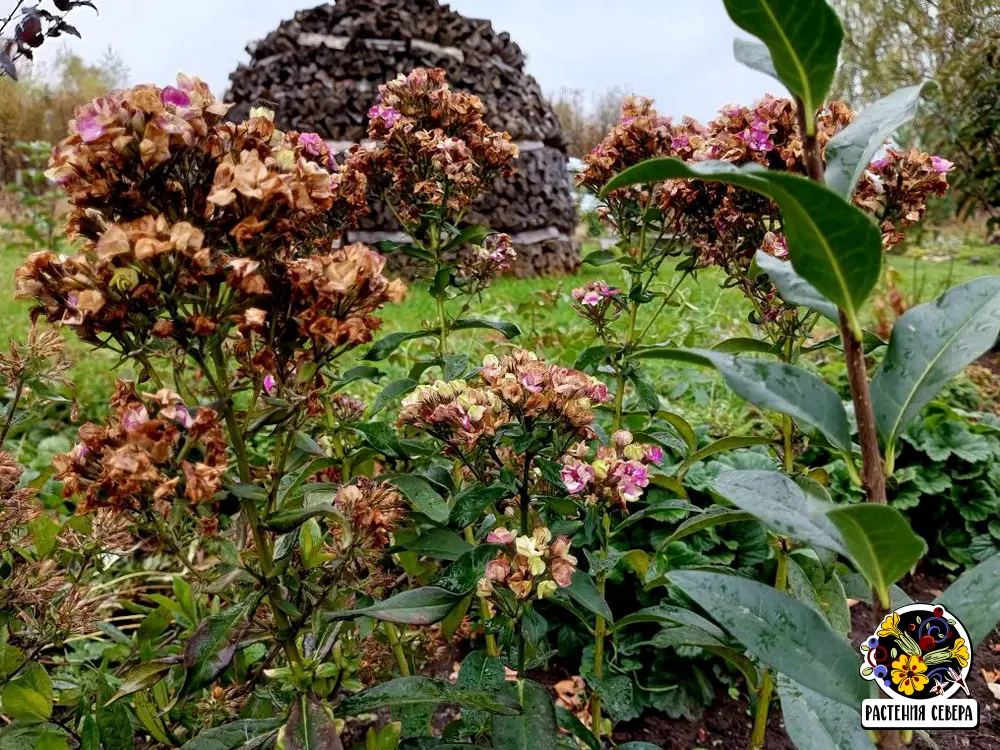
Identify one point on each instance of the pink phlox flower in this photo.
(270, 384)
(175, 96)
(941, 165)
(577, 476)
(311, 143)
(135, 417)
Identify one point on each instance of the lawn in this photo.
(541, 307)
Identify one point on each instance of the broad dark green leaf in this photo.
(381, 437)
(576, 728)
(743, 345)
(232, 735)
(781, 504)
(975, 600)
(880, 541)
(479, 672)
(407, 691)
(462, 575)
(470, 235)
(815, 722)
(666, 614)
(422, 496)
(599, 258)
(391, 342)
(455, 366)
(211, 647)
(246, 491)
(755, 56)
(361, 372)
(792, 287)
(773, 385)
(710, 518)
(441, 544)
(533, 729)
(683, 427)
(423, 606)
(469, 505)
(930, 344)
(722, 445)
(310, 726)
(850, 151)
(780, 631)
(821, 589)
(28, 697)
(396, 389)
(656, 510)
(592, 357)
(833, 245)
(583, 591)
(803, 37)
(638, 745)
(141, 677)
(509, 330)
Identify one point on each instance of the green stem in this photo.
(787, 427)
(12, 409)
(484, 610)
(599, 633)
(397, 648)
(766, 691)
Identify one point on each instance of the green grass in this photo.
(705, 314)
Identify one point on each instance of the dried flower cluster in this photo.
(434, 154)
(18, 506)
(372, 509)
(598, 302)
(455, 413)
(153, 450)
(480, 265)
(616, 475)
(536, 564)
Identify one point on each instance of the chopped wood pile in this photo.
(322, 69)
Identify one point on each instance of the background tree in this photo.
(586, 124)
(891, 43)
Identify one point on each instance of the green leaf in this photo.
(881, 543)
(141, 677)
(792, 287)
(755, 56)
(381, 437)
(455, 366)
(683, 428)
(850, 151)
(973, 599)
(707, 520)
(211, 647)
(479, 672)
(409, 691)
(773, 385)
(509, 330)
(310, 726)
(599, 258)
(644, 389)
(307, 444)
(469, 505)
(246, 491)
(658, 510)
(18, 736)
(833, 245)
(396, 389)
(423, 497)
(462, 575)
(583, 591)
(28, 697)
(930, 344)
(288, 520)
(232, 735)
(576, 728)
(719, 446)
(783, 633)
(814, 722)
(146, 711)
(362, 372)
(742, 345)
(592, 357)
(441, 544)
(391, 342)
(811, 584)
(781, 504)
(666, 614)
(423, 606)
(803, 37)
(113, 721)
(470, 235)
(533, 729)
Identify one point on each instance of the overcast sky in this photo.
(677, 51)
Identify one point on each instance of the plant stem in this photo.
(525, 498)
(766, 691)
(872, 468)
(787, 427)
(397, 648)
(484, 609)
(12, 409)
(599, 632)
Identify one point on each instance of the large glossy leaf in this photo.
(469, 505)
(441, 544)
(462, 575)
(666, 614)
(930, 344)
(773, 385)
(423, 497)
(141, 677)
(792, 287)
(814, 722)
(390, 343)
(423, 606)
(803, 37)
(850, 151)
(509, 330)
(722, 445)
(755, 56)
(781, 504)
(535, 727)
(212, 646)
(975, 599)
(232, 735)
(479, 672)
(395, 389)
(833, 245)
(408, 691)
(310, 726)
(28, 697)
(711, 518)
(783, 633)
(584, 592)
(881, 543)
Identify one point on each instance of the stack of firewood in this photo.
(322, 70)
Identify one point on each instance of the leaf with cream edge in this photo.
(803, 37)
(930, 344)
(881, 543)
(850, 151)
(833, 245)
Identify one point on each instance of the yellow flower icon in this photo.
(960, 651)
(890, 626)
(908, 673)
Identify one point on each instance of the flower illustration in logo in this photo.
(908, 674)
(918, 652)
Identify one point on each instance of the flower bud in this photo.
(600, 469)
(634, 452)
(124, 280)
(286, 159)
(546, 589)
(621, 438)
